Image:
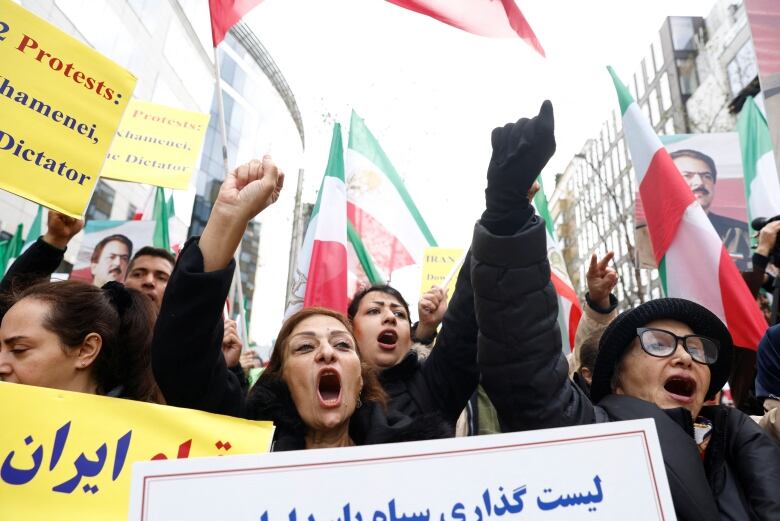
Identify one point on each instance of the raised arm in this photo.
(450, 371)
(40, 260)
(187, 348)
(600, 306)
(524, 372)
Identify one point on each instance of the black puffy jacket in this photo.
(526, 377)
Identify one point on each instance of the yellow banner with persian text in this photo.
(68, 456)
(61, 102)
(156, 145)
(437, 263)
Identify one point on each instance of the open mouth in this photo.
(329, 388)
(682, 388)
(387, 339)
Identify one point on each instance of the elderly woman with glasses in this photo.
(660, 360)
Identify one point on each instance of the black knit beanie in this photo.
(622, 331)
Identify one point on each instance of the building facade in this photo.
(167, 45)
(687, 83)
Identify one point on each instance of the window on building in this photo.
(104, 30)
(682, 33)
(655, 109)
(669, 126)
(742, 68)
(686, 70)
(658, 53)
(607, 169)
(188, 65)
(102, 201)
(666, 93)
(646, 109)
(640, 83)
(621, 155)
(148, 11)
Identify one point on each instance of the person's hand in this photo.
(601, 280)
(431, 309)
(61, 229)
(520, 151)
(245, 192)
(250, 360)
(533, 191)
(767, 238)
(231, 344)
(250, 189)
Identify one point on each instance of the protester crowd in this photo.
(373, 377)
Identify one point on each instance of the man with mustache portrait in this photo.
(110, 259)
(700, 173)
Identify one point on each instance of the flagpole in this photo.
(235, 287)
(295, 242)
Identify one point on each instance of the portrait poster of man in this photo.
(711, 165)
(107, 249)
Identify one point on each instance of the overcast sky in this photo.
(431, 94)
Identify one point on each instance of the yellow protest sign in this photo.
(156, 145)
(61, 102)
(68, 456)
(437, 263)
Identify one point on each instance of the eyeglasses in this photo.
(662, 343)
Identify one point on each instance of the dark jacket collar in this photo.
(402, 370)
(370, 424)
(693, 498)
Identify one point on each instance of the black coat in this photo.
(190, 369)
(526, 377)
(442, 383)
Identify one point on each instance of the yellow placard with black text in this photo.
(437, 263)
(68, 456)
(156, 145)
(60, 104)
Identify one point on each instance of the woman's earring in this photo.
(359, 403)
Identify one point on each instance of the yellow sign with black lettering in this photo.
(61, 102)
(157, 145)
(437, 264)
(69, 456)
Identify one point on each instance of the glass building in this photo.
(167, 45)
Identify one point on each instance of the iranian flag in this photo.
(225, 14)
(692, 261)
(391, 234)
(762, 187)
(321, 273)
(569, 310)
(491, 18)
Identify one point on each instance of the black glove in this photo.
(520, 151)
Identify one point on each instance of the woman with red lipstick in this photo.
(660, 360)
(316, 390)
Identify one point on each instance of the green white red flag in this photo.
(569, 309)
(762, 187)
(390, 228)
(692, 261)
(492, 18)
(321, 273)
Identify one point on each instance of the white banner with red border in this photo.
(611, 471)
